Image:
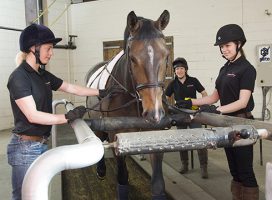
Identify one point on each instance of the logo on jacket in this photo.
(231, 75)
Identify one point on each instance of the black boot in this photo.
(101, 169)
(203, 160)
(184, 162)
(159, 197)
(122, 192)
(204, 172)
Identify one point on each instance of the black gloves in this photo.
(76, 113)
(184, 104)
(209, 109)
(111, 90)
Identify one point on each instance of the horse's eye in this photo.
(133, 60)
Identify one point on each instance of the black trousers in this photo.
(202, 153)
(240, 160)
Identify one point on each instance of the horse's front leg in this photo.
(122, 178)
(101, 166)
(157, 181)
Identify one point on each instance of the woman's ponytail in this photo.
(20, 57)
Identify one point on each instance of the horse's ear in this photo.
(132, 22)
(163, 20)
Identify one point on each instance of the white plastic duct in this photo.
(88, 152)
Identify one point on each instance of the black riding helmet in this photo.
(180, 62)
(229, 33)
(36, 34)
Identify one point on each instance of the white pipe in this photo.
(268, 181)
(88, 152)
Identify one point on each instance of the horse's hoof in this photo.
(101, 174)
(100, 177)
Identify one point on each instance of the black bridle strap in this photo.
(137, 95)
(149, 85)
(136, 88)
(113, 109)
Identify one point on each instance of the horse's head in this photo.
(147, 53)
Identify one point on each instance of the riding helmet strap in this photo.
(37, 55)
(237, 51)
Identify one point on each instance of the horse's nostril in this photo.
(145, 115)
(162, 111)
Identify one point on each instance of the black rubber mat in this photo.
(82, 184)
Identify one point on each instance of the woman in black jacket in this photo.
(234, 87)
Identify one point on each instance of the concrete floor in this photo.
(181, 187)
(191, 186)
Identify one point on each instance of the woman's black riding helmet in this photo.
(36, 34)
(229, 33)
(180, 62)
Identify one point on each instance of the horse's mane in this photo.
(147, 31)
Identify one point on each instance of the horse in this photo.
(140, 71)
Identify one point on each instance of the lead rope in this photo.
(178, 110)
(109, 110)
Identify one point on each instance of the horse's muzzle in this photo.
(154, 116)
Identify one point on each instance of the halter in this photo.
(140, 86)
(137, 87)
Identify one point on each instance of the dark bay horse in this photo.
(141, 72)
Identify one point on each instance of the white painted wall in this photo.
(193, 24)
(58, 17)
(12, 14)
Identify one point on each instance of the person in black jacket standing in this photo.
(234, 87)
(30, 87)
(183, 87)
